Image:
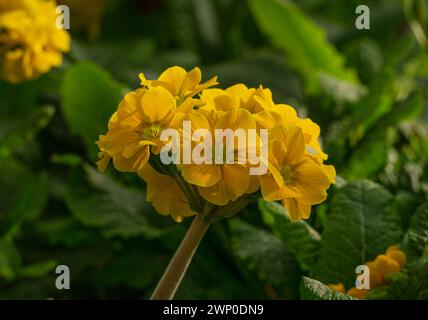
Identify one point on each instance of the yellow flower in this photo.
(238, 95)
(136, 127)
(358, 293)
(294, 178)
(220, 183)
(337, 287)
(266, 113)
(392, 261)
(166, 196)
(287, 115)
(230, 119)
(179, 83)
(30, 42)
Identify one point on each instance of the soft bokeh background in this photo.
(366, 88)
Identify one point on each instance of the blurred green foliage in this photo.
(366, 88)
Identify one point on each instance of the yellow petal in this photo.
(190, 81)
(133, 163)
(128, 113)
(294, 140)
(158, 106)
(187, 105)
(358, 293)
(398, 256)
(103, 162)
(385, 265)
(215, 194)
(340, 287)
(235, 119)
(236, 180)
(120, 140)
(271, 191)
(173, 76)
(267, 119)
(312, 182)
(287, 113)
(203, 175)
(198, 121)
(297, 210)
(254, 184)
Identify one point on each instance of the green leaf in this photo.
(10, 260)
(65, 231)
(361, 225)
(14, 133)
(407, 203)
(23, 195)
(118, 210)
(30, 204)
(37, 270)
(311, 289)
(371, 156)
(130, 267)
(304, 43)
(89, 98)
(373, 106)
(263, 253)
(299, 237)
(416, 238)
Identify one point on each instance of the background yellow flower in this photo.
(30, 42)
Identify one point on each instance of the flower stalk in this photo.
(174, 273)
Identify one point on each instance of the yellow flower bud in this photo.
(385, 265)
(398, 256)
(337, 287)
(358, 293)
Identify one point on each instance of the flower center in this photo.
(287, 174)
(151, 132)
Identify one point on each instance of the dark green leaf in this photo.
(362, 224)
(118, 210)
(299, 237)
(89, 98)
(37, 270)
(10, 260)
(263, 253)
(416, 238)
(304, 43)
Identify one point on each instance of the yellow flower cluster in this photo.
(30, 42)
(295, 173)
(392, 261)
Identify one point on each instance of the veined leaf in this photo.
(263, 253)
(15, 133)
(89, 97)
(311, 289)
(304, 43)
(118, 210)
(371, 156)
(361, 225)
(299, 237)
(31, 203)
(416, 238)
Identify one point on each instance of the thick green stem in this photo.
(177, 267)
